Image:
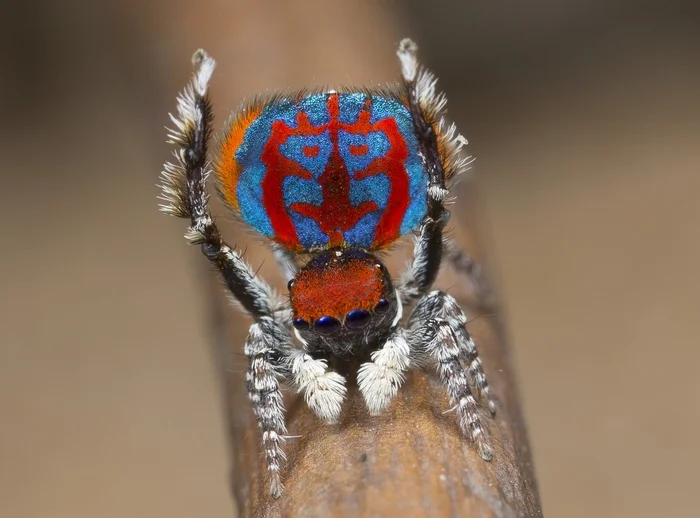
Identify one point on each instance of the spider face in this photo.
(342, 297)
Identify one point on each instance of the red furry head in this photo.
(340, 289)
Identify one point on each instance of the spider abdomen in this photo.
(324, 170)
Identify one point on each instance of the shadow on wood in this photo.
(409, 461)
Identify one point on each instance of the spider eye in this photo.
(290, 284)
(327, 325)
(382, 306)
(300, 324)
(357, 319)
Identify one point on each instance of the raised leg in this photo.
(268, 347)
(437, 330)
(426, 108)
(185, 195)
(441, 146)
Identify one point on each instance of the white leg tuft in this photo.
(380, 379)
(323, 391)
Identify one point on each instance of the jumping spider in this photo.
(337, 176)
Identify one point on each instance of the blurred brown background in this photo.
(584, 117)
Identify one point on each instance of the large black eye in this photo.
(357, 319)
(300, 324)
(327, 325)
(290, 284)
(382, 306)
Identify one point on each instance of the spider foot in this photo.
(472, 427)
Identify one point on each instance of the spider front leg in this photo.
(437, 330)
(184, 191)
(425, 104)
(271, 356)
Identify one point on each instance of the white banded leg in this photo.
(468, 353)
(440, 305)
(264, 349)
(442, 345)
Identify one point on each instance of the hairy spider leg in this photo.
(425, 106)
(432, 334)
(268, 347)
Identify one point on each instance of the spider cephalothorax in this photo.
(335, 176)
(342, 301)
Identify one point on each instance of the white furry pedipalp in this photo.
(323, 391)
(380, 379)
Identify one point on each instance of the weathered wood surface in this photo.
(409, 462)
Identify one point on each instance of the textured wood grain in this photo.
(410, 461)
